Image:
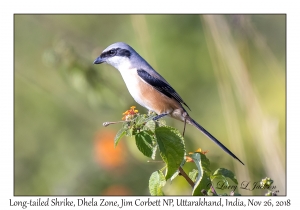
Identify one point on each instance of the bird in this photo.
(148, 88)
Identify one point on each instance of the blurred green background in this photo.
(229, 69)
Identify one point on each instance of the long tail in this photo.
(194, 123)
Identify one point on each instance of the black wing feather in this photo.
(161, 86)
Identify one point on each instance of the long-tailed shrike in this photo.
(149, 88)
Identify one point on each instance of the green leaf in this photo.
(171, 147)
(144, 143)
(140, 119)
(162, 123)
(226, 173)
(220, 178)
(129, 132)
(156, 183)
(219, 183)
(203, 178)
(119, 135)
(177, 172)
(150, 125)
(193, 175)
(174, 175)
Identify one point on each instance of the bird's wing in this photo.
(161, 86)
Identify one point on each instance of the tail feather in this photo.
(194, 123)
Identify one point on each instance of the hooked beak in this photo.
(98, 60)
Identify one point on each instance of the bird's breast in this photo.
(132, 81)
(146, 95)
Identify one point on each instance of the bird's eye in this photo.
(112, 52)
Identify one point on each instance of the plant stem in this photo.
(187, 178)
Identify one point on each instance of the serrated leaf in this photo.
(226, 173)
(219, 177)
(162, 123)
(171, 147)
(119, 135)
(143, 120)
(219, 183)
(144, 143)
(150, 125)
(203, 177)
(140, 119)
(156, 183)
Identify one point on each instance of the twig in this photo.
(213, 190)
(105, 124)
(187, 178)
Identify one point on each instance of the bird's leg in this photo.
(185, 115)
(159, 116)
(184, 127)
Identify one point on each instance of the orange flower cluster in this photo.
(129, 113)
(189, 159)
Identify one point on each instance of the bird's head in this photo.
(118, 55)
